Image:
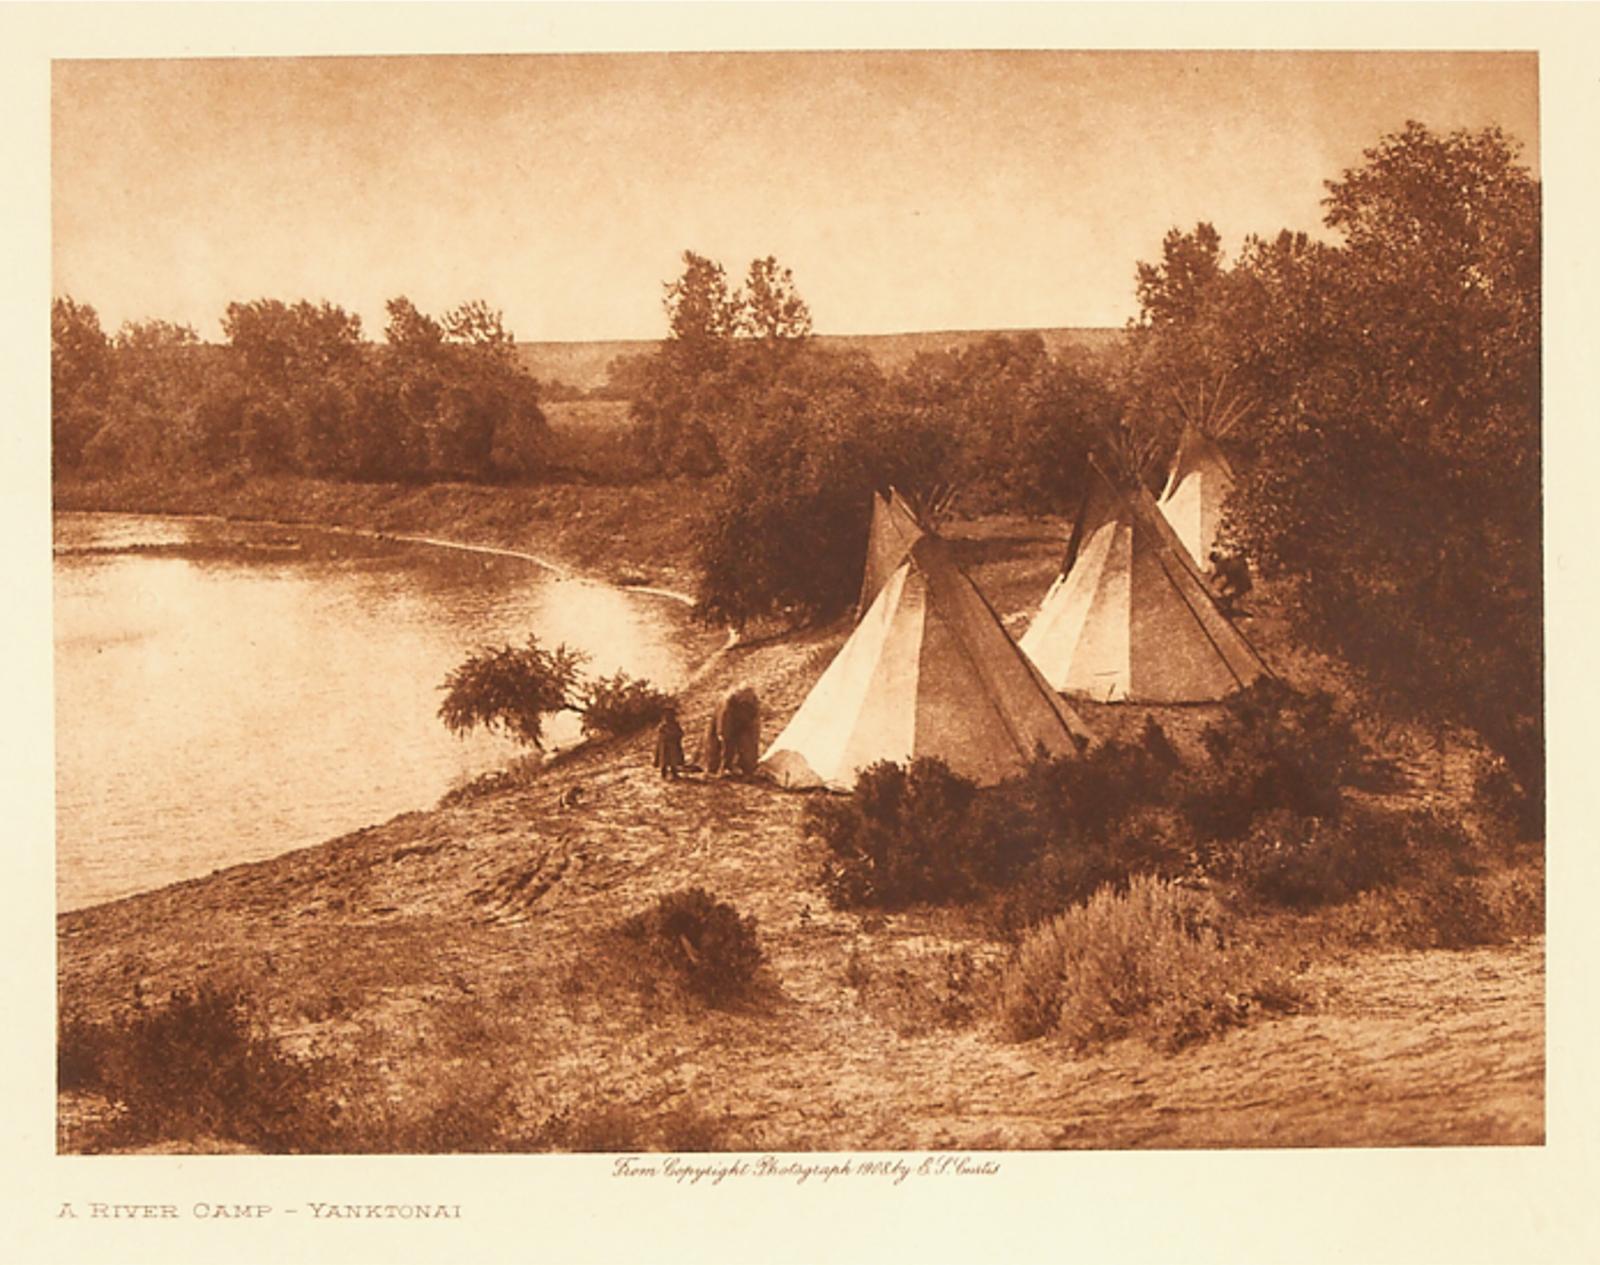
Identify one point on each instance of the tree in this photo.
(151, 411)
(771, 309)
(1204, 332)
(1395, 481)
(511, 689)
(301, 366)
(703, 315)
(783, 532)
(683, 395)
(80, 380)
(463, 407)
(411, 329)
(724, 350)
(475, 324)
(1173, 291)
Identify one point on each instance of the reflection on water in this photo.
(278, 687)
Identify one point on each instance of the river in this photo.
(227, 692)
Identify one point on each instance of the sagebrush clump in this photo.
(701, 941)
(1153, 960)
(198, 1066)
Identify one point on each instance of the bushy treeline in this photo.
(790, 439)
(296, 388)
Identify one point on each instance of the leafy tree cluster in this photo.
(783, 527)
(791, 438)
(1019, 420)
(724, 349)
(784, 522)
(1391, 472)
(295, 388)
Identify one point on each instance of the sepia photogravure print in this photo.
(794, 632)
(791, 602)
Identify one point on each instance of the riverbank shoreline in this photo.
(633, 537)
(317, 808)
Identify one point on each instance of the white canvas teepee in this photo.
(929, 671)
(895, 528)
(1192, 501)
(1131, 619)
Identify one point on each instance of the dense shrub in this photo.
(197, 1067)
(1305, 862)
(1272, 748)
(1152, 960)
(701, 941)
(1302, 862)
(622, 704)
(927, 834)
(1147, 839)
(899, 836)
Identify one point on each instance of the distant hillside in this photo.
(583, 365)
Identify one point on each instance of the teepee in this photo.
(928, 671)
(1130, 618)
(1196, 489)
(895, 528)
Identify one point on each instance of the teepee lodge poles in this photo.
(1201, 478)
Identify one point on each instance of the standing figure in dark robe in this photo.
(669, 745)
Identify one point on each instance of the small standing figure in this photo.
(669, 745)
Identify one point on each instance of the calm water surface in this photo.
(225, 693)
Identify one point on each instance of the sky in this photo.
(906, 190)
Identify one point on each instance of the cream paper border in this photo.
(1363, 1205)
